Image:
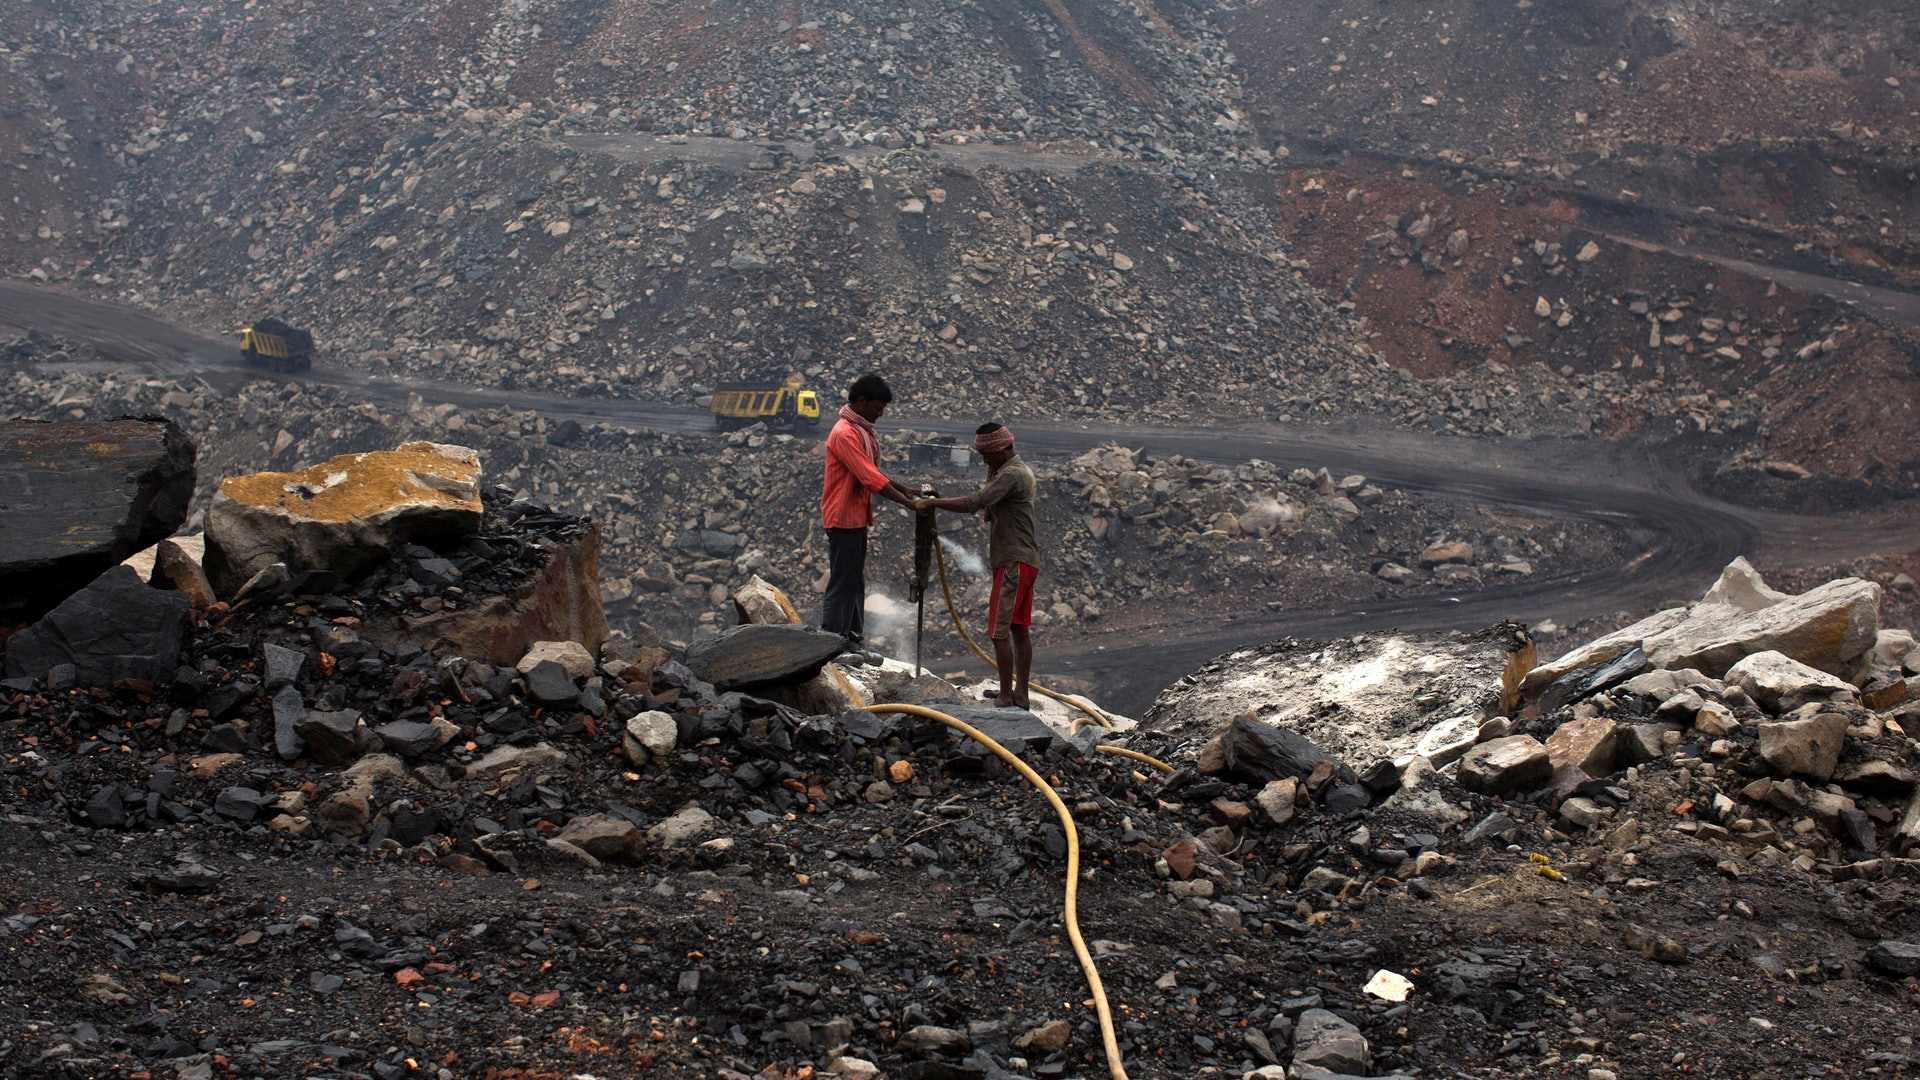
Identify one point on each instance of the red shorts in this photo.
(1003, 617)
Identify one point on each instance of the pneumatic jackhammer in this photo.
(925, 535)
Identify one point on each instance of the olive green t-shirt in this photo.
(1007, 496)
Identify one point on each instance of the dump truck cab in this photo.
(786, 405)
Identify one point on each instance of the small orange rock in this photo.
(408, 977)
(901, 771)
(541, 1001)
(518, 998)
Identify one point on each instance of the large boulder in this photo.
(80, 497)
(829, 693)
(1831, 627)
(753, 656)
(116, 628)
(343, 516)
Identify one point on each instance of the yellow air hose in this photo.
(1071, 911)
(1094, 715)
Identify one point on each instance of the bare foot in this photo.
(1006, 702)
(1023, 701)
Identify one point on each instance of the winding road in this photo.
(1679, 537)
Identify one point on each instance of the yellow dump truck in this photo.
(276, 346)
(785, 405)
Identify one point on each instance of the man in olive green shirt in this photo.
(1013, 551)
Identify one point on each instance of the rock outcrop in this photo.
(558, 601)
(1831, 628)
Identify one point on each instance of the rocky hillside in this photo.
(1520, 184)
(1077, 208)
(750, 197)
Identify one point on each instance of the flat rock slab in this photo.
(410, 738)
(1015, 729)
(343, 515)
(115, 628)
(748, 657)
(1896, 958)
(1587, 681)
(76, 498)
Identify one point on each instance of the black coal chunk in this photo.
(549, 684)
(1587, 681)
(115, 628)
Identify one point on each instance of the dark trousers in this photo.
(846, 582)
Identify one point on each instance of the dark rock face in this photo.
(1015, 729)
(76, 498)
(116, 628)
(745, 657)
(1592, 679)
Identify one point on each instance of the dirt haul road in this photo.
(1679, 537)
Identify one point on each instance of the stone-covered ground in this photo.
(505, 883)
